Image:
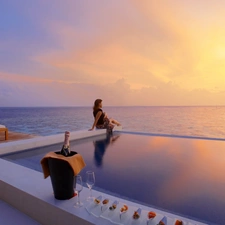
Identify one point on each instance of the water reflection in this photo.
(180, 175)
(101, 146)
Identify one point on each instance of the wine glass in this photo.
(78, 186)
(90, 181)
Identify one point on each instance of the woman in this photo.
(101, 119)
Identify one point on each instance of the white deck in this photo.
(12, 216)
(30, 196)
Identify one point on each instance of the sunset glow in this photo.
(167, 52)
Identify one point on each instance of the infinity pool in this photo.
(181, 175)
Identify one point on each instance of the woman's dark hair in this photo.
(96, 104)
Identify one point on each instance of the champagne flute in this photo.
(90, 181)
(78, 186)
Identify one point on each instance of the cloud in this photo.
(148, 48)
(39, 92)
(137, 44)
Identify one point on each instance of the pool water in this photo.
(181, 175)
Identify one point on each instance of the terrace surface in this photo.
(14, 136)
(9, 214)
(12, 216)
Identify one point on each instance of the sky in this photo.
(126, 52)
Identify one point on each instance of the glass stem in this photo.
(78, 195)
(91, 192)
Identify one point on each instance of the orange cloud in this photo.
(160, 47)
(9, 77)
(40, 92)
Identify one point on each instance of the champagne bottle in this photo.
(66, 146)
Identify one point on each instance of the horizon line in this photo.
(113, 106)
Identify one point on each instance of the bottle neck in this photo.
(66, 140)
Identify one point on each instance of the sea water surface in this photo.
(183, 121)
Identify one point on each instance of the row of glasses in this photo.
(78, 186)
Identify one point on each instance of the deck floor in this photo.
(13, 136)
(12, 216)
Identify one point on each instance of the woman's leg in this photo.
(113, 121)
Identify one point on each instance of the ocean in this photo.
(193, 121)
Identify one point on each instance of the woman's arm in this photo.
(96, 120)
(105, 115)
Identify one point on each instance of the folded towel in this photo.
(76, 162)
